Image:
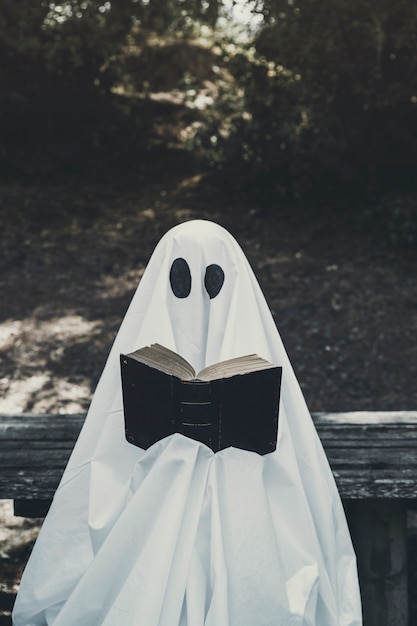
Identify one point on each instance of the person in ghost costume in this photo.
(177, 535)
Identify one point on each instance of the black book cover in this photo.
(239, 410)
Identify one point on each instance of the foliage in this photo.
(330, 97)
(322, 94)
(60, 63)
(75, 42)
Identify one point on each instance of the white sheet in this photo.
(177, 535)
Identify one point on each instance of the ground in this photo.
(343, 295)
(344, 301)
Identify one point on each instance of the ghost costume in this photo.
(177, 535)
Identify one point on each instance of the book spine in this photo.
(196, 407)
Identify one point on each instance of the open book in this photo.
(166, 360)
(231, 403)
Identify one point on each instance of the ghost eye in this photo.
(213, 280)
(180, 278)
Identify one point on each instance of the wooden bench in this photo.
(373, 457)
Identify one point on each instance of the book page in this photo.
(165, 360)
(232, 367)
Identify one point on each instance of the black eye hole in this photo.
(180, 278)
(213, 280)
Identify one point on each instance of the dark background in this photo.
(298, 134)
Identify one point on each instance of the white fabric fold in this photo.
(176, 535)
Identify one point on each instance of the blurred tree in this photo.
(74, 42)
(353, 67)
(60, 61)
(330, 96)
(322, 93)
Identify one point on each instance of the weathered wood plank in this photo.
(357, 488)
(34, 450)
(43, 427)
(367, 418)
(29, 484)
(372, 455)
(35, 459)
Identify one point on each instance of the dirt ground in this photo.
(343, 296)
(344, 301)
